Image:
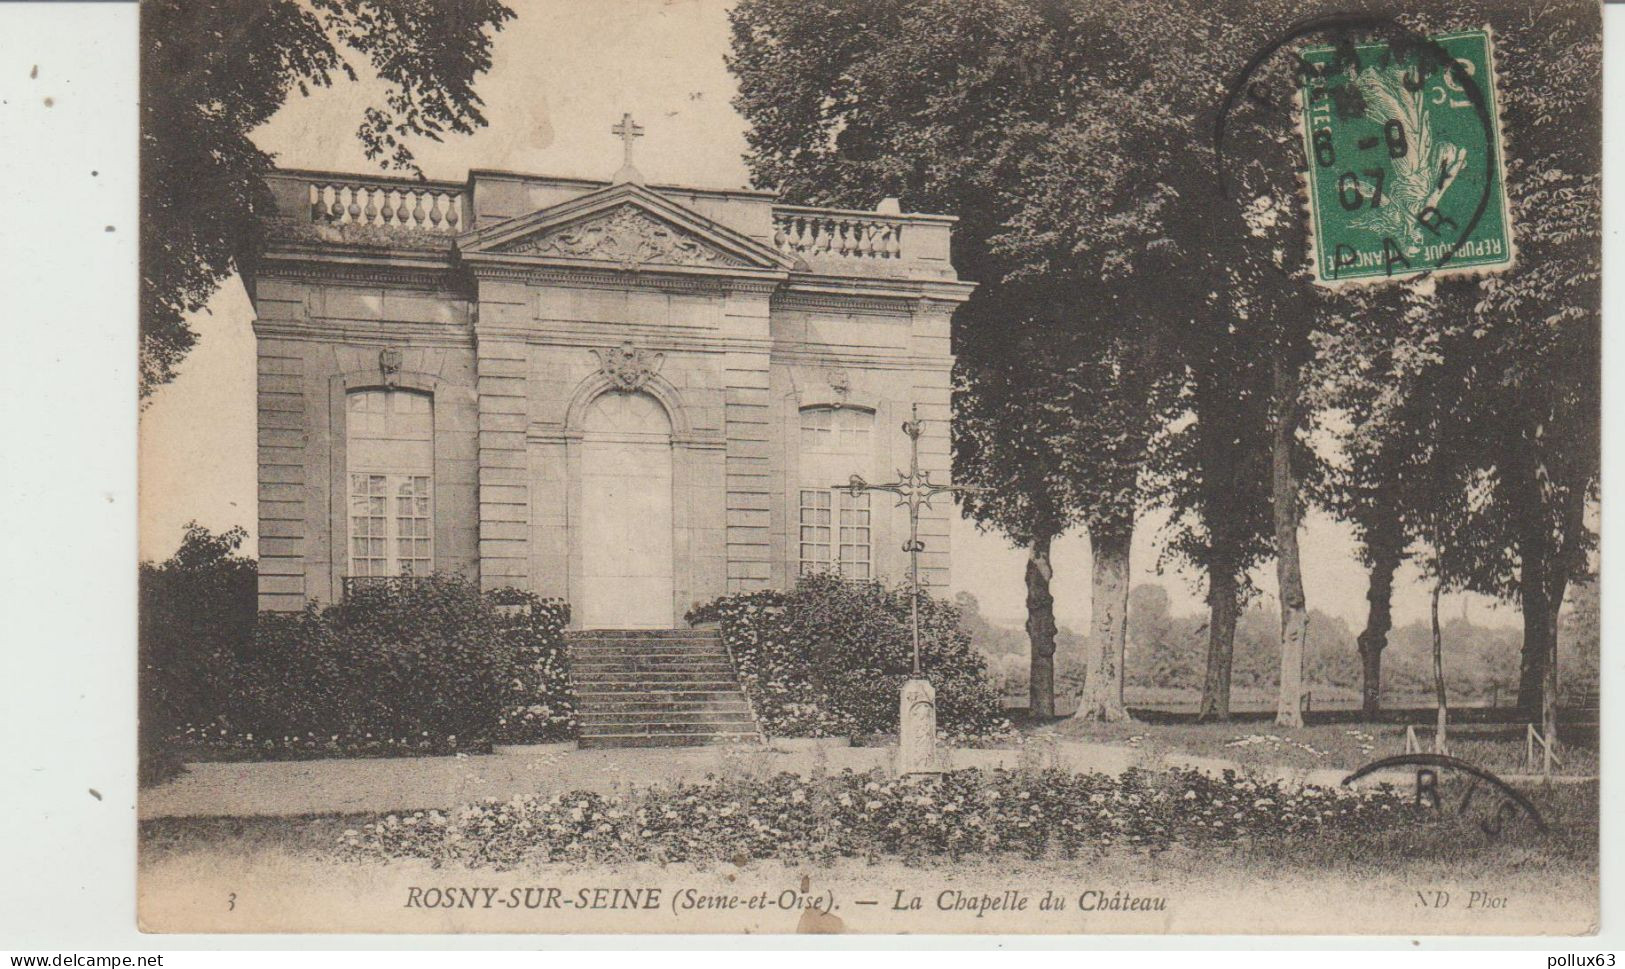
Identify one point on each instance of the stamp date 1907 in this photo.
(1405, 174)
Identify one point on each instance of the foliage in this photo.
(1017, 116)
(1470, 406)
(996, 111)
(967, 814)
(1580, 641)
(1008, 651)
(403, 666)
(829, 657)
(1068, 139)
(424, 658)
(196, 613)
(540, 704)
(1166, 651)
(211, 73)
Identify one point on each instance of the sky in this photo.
(563, 72)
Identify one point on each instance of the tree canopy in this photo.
(1146, 330)
(211, 73)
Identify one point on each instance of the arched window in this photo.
(833, 525)
(390, 451)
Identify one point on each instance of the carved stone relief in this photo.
(629, 237)
(628, 367)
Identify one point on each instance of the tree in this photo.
(213, 72)
(1160, 638)
(1496, 380)
(1005, 427)
(196, 614)
(1004, 113)
(1366, 488)
(1522, 364)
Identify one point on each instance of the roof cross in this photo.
(627, 130)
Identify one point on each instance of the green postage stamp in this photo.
(1406, 173)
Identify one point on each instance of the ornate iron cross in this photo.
(913, 490)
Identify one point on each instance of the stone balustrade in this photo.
(412, 214)
(812, 232)
(421, 207)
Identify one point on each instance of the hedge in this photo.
(829, 657)
(426, 664)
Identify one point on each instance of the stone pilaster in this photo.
(284, 513)
(502, 366)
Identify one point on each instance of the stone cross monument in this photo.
(627, 130)
(917, 711)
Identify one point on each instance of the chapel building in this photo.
(632, 397)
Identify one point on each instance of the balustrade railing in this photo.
(424, 208)
(801, 231)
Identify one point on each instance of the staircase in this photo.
(657, 688)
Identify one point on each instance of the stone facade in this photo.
(514, 304)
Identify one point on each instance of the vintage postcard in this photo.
(944, 466)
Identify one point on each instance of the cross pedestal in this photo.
(917, 751)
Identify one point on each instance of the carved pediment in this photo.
(627, 236)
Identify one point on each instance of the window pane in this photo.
(390, 449)
(843, 430)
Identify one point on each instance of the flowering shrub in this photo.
(964, 813)
(429, 665)
(829, 657)
(540, 704)
(394, 659)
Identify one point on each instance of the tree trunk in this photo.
(1288, 561)
(1542, 594)
(1222, 603)
(1548, 693)
(1538, 616)
(1540, 572)
(1374, 639)
(1041, 630)
(1440, 742)
(1103, 685)
(1218, 424)
(1537, 682)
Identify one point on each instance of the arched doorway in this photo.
(626, 513)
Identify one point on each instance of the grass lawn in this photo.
(1498, 747)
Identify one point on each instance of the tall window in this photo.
(835, 532)
(836, 442)
(390, 449)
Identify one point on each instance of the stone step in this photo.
(585, 669)
(575, 635)
(668, 740)
(721, 679)
(663, 705)
(657, 688)
(661, 728)
(600, 717)
(628, 646)
(636, 693)
(594, 661)
(618, 646)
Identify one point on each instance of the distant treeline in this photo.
(1168, 651)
